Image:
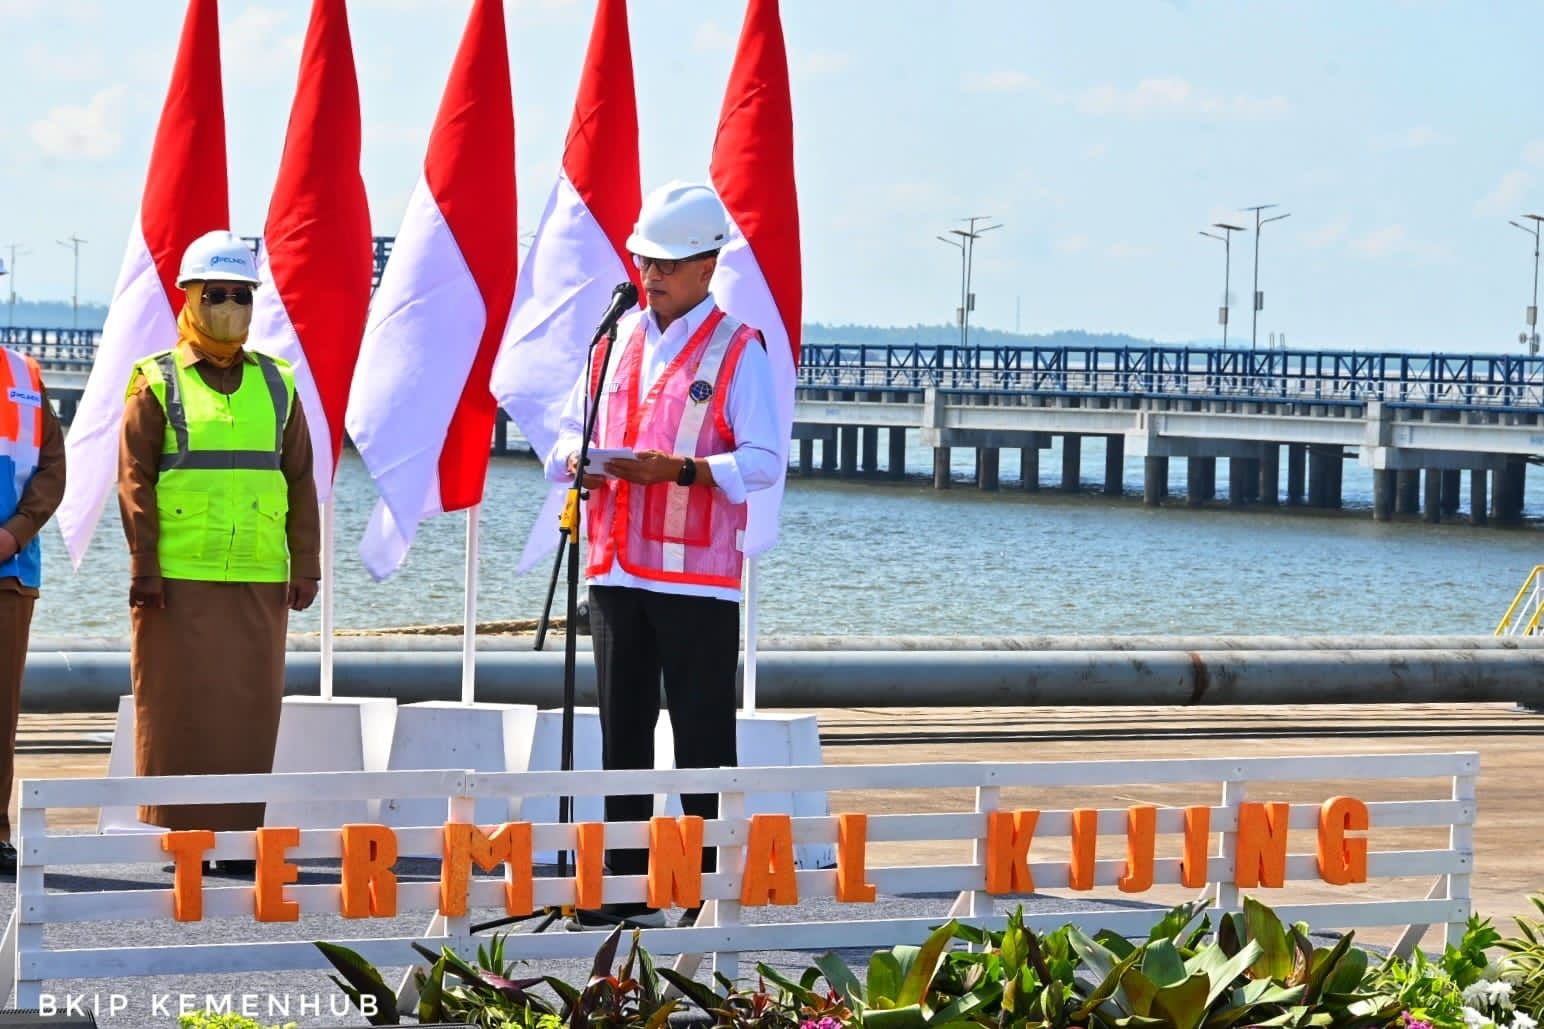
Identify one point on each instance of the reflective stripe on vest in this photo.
(221, 497)
(666, 532)
(21, 438)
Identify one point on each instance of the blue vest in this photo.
(21, 436)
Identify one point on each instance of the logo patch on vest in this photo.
(27, 397)
(701, 391)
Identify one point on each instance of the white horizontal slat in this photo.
(230, 789)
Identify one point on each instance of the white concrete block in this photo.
(766, 739)
(449, 734)
(343, 734)
(546, 756)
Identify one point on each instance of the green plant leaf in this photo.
(1184, 1003)
(431, 993)
(924, 969)
(1263, 927)
(606, 955)
(800, 992)
(1137, 991)
(698, 993)
(840, 978)
(1221, 970)
(661, 1016)
(364, 980)
(884, 979)
(908, 1017)
(1162, 964)
(1099, 958)
(961, 1008)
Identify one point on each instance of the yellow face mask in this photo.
(226, 322)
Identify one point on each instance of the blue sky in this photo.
(1401, 137)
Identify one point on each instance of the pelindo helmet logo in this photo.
(220, 259)
(701, 390)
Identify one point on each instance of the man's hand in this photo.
(147, 591)
(301, 593)
(647, 467)
(591, 480)
(8, 546)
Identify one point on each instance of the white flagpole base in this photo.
(469, 624)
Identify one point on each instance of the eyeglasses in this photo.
(668, 267)
(217, 295)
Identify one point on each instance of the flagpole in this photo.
(327, 584)
(469, 636)
(751, 633)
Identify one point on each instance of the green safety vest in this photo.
(222, 500)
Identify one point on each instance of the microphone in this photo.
(623, 299)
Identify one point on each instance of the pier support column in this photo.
(987, 463)
(828, 453)
(501, 433)
(941, 467)
(1195, 479)
(1297, 463)
(870, 450)
(1431, 510)
(1337, 475)
(1452, 485)
(897, 465)
(806, 457)
(1072, 462)
(1383, 488)
(1477, 498)
(849, 446)
(1318, 477)
(1155, 480)
(1251, 469)
(1029, 468)
(1407, 491)
(1238, 481)
(1114, 465)
(1510, 483)
(1208, 483)
(1270, 475)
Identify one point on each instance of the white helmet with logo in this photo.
(220, 254)
(679, 219)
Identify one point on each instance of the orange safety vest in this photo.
(665, 532)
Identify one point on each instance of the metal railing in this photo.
(1453, 381)
(1522, 618)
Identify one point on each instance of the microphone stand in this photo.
(568, 527)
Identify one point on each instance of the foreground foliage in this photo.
(1250, 969)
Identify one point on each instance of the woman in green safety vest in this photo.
(219, 509)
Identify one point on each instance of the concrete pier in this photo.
(941, 457)
(1114, 465)
(897, 464)
(828, 453)
(1431, 507)
(1155, 480)
(1452, 486)
(1270, 475)
(1200, 480)
(1384, 486)
(987, 468)
(1029, 468)
(849, 450)
(1238, 481)
(1477, 498)
(1407, 491)
(870, 464)
(806, 457)
(1072, 462)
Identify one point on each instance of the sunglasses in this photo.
(667, 267)
(217, 295)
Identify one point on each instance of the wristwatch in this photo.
(688, 474)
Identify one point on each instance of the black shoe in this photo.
(609, 916)
(235, 867)
(689, 917)
(7, 858)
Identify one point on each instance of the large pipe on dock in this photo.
(64, 682)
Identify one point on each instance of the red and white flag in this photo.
(758, 278)
(420, 413)
(185, 196)
(578, 255)
(317, 257)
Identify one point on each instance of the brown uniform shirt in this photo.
(42, 494)
(139, 467)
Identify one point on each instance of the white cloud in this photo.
(1394, 241)
(1533, 153)
(1328, 234)
(1175, 97)
(267, 51)
(1507, 197)
(1423, 136)
(89, 131)
(1071, 244)
(998, 82)
(713, 38)
(41, 64)
(1123, 250)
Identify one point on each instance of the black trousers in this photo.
(694, 642)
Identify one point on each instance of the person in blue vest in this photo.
(219, 510)
(31, 486)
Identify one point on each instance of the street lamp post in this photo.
(74, 243)
(10, 318)
(1258, 300)
(968, 239)
(1531, 337)
(959, 314)
(1227, 271)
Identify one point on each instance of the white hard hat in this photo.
(220, 254)
(679, 219)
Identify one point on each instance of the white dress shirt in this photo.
(749, 408)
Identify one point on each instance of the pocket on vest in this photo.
(184, 525)
(678, 514)
(260, 530)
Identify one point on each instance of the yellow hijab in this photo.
(221, 353)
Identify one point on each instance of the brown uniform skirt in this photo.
(208, 684)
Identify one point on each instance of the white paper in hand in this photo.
(598, 456)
